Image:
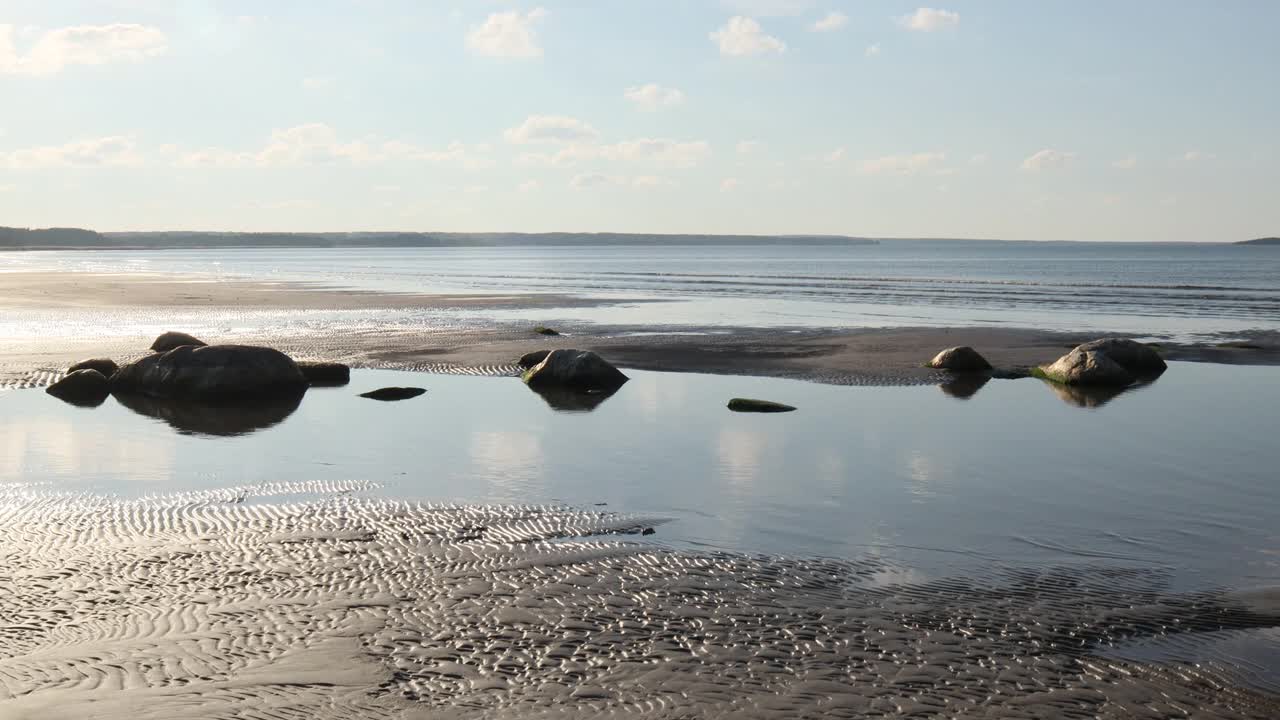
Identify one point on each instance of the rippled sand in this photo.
(323, 601)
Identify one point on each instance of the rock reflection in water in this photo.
(965, 386)
(1095, 396)
(572, 401)
(225, 419)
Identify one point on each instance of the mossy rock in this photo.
(747, 405)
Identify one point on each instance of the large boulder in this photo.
(173, 340)
(1133, 356)
(228, 419)
(960, 359)
(84, 388)
(212, 373)
(325, 373)
(532, 359)
(1086, 367)
(579, 370)
(103, 365)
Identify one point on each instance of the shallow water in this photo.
(1153, 289)
(882, 550)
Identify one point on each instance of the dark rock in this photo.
(103, 365)
(546, 331)
(965, 386)
(1087, 396)
(758, 406)
(960, 359)
(1135, 357)
(532, 359)
(1086, 367)
(173, 340)
(648, 531)
(575, 370)
(191, 417)
(393, 394)
(325, 373)
(214, 372)
(567, 400)
(82, 388)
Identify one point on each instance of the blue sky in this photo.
(1130, 120)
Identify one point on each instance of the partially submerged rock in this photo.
(580, 370)
(325, 373)
(214, 372)
(532, 359)
(393, 394)
(571, 401)
(965, 386)
(549, 332)
(960, 359)
(83, 388)
(1133, 356)
(748, 405)
(173, 340)
(225, 419)
(105, 366)
(1086, 367)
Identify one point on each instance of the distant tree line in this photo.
(69, 238)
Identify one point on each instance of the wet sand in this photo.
(888, 356)
(244, 603)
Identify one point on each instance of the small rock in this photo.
(1086, 367)
(758, 406)
(172, 340)
(960, 359)
(325, 373)
(533, 359)
(1014, 373)
(103, 365)
(393, 394)
(576, 370)
(648, 531)
(546, 331)
(84, 388)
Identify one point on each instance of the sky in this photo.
(1015, 119)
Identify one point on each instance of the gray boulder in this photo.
(529, 360)
(1086, 367)
(960, 359)
(1133, 356)
(579, 370)
(212, 373)
(84, 388)
(758, 406)
(103, 365)
(172, 340)
(325, 373)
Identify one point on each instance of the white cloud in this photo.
(749, 147)
(872, 50)
(730, 184)
(529, 186)
(978, 159)
(1128, 162)
(550, 129)
(653, 97)
(318, 144)
(1192, 156)
(59, 49)
(595, 180)
(508, 35)
(831, 22)
(834, 156)
(913, 164)
(322, 82)
(1048, 159)
(653, 181)
(768, 8)
(743, 36)
(929, 19)
(659, 152)
(111, 151)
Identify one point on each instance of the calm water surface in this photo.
(1152, 289)
(1179, 475)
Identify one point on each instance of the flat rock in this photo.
(758, 406)
(1086, 367)
(1133, 356)
(212, 373)
(173, 340)
(84, 388)
(105, 366)
(393, 394)
(325, 373)
(960, 359)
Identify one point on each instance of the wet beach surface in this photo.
(988, 549)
